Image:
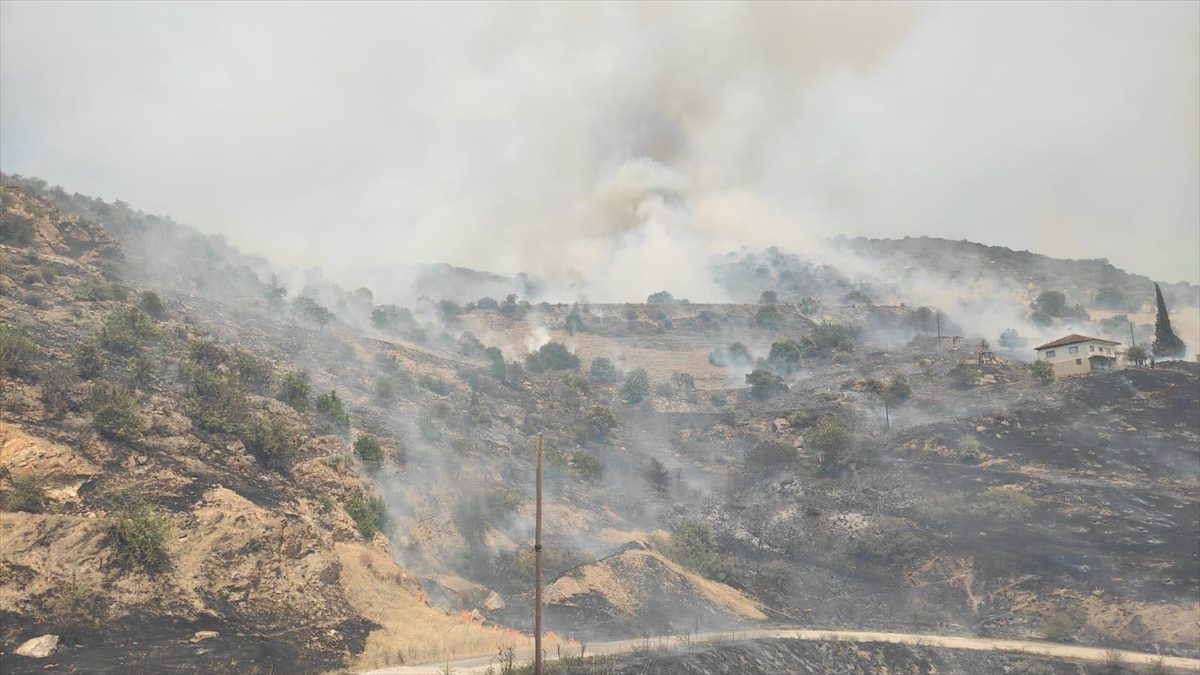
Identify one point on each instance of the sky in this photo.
(602, 141)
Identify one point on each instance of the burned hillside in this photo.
(326, 479)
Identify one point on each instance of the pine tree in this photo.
(1166, 342)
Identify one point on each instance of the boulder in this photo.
(38, 647)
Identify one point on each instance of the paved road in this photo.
(1053, 649)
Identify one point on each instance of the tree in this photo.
(1137, 354)
(769, 317)
(1053, 303)
(636, 387)
(294, 390)
(331, 414)
(603, 370)
(601, 420)
(832, 441)
(1166, 342)
(660, 298)
(769, 456)
(114, 410)
(768, 298)
(369, 450)
(764, 384)
(784, 357)
(496, 357)
(152, 304)
(1042, 371)
(1010, 339)
(658, 476)
(555, 356)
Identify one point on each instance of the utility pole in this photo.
(887, 418)
(1132, 340)
(537, 567)
(939, 324)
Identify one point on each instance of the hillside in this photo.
(173, 462)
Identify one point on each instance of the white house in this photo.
(1079, 354)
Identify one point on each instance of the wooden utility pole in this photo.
(1132, 340)
(537, 567)
(939, 323)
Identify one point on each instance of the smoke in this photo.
(613, 148)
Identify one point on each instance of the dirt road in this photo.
(1052, 649)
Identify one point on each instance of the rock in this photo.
(202, 635)
(980, 429)
(38, 647)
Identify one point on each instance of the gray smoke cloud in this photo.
(610, 148)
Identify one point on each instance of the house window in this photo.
(1079, 362)
(1050, 354)
(1092, 348)
(1073, 350)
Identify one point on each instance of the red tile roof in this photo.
(1072, 339)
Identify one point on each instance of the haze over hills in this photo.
(197, 441)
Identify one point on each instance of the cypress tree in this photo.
(1166, 342)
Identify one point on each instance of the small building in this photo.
(1079, 354)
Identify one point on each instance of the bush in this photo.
(151, 304)
(968, 449)
(114, 410)
(252, 372)
(768, 298)
(660, 298)
(89, 360)
(369, 450)
(692, 546)
(368, 513)
(600, 421)
(127, 330)
(1007, 502)
(890, 541)
(658, 476)
(555, 356)
(294, 390)
(56, 390)
(207, 353)
(140, 371)
(827, 337)
(769, 317)
(587, 467)
(784, 357)
(16, 230)
(636, 386)
(331, 414)
(17, 350)
(272, 441)
(496, 359)
(215, 400)
(139, 534)
(1042, 371)
(487, 303)
(603, 370)
(832, 442)
(314, 312)
(435, 385)
(24, 493)
(764, 384)
(770, 456)
(1058, 627)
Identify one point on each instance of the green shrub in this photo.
(368, 513)
(253, 372)
(57, 384)
(603, 370)
(968, 449)
(555, 356)
(784, 357)
(151, 304)
(684, 382)
(114, 410)
(1007, 502)
(636, 386)
(140, 371)
(331, 414)
(75, 603)
(1042, 370)
(89, 360)
(17, 350)
(660, 298)
(664, 390)
(312, 311)
(207, 353)
(369, 450)
(768, 298)
(271, 440)
(600, 421)
(138, 534)
(434, 384)
(127, 330)
(24, 493)
(692, 546)
(764, 384)
(587, 467)
(827, 337)
(890, 541)
(15, 229)
(1058, 627)
(769, 456)
(95, 290)
(769, 317)
(294, 390)
(215, 400)
(496, 359)
(832, 442)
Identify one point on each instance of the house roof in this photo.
(1072, 339)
